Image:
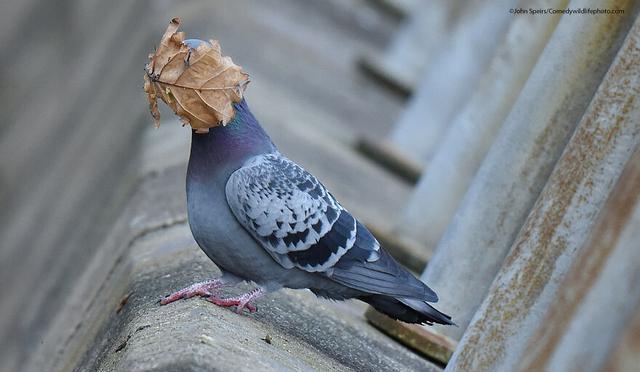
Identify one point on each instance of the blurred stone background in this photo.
(76, 138)
(452, 129)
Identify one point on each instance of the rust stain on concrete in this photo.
(588, 265)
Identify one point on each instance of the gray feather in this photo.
(287, 210)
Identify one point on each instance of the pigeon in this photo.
(264, 219)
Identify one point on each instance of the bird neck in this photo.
(226, 148)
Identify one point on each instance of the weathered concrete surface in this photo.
(522, 157)
(558, 225)
(459, 155)
(158, 202)
(575, 336)
(459, 64)
(67, 151)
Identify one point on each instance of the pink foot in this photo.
(241, 302)
(202, 289)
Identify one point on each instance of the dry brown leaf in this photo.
(199, 84)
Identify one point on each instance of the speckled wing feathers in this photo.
(290, 213)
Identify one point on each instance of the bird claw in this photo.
(202, 289)
(241, 302)
(228, 302)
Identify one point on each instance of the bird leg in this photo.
(202, 289)
(242, 301)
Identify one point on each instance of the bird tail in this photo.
(407, 310)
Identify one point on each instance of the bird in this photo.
(263, 219)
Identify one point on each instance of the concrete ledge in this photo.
(384, 154)
(291, 330)
(424, 340)
(157, 202)
(373, 67)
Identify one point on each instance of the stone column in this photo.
(561, 219)
(521, 158)
(599, 296)
(458, 157)
(403, 63)
(451, 78)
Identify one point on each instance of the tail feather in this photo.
(384, 283)
(407, 310)
(384, 277)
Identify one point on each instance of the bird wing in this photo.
(300, 224)
(290, 213)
